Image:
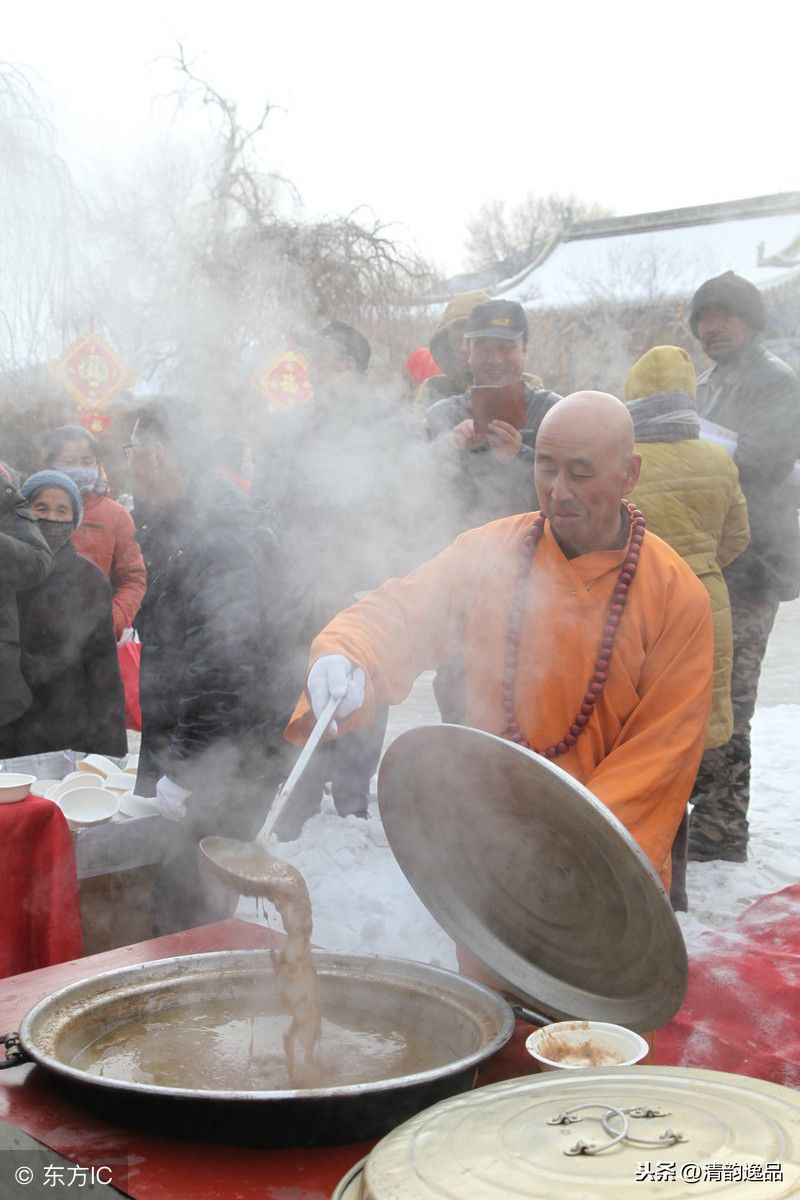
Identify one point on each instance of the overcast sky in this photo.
(424, 110)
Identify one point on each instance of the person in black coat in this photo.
(213, 698)
(346, 482)
(25, 561)
(69, 651)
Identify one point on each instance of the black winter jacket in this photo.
(70, 663)
(351, 494)
(213, 698)
(25, 560)
(758, 397)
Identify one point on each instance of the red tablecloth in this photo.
(41, 915)
(742, 1009)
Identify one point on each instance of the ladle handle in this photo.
(280, 801)
(532, 1018)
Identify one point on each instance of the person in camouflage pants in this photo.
(722, 790)
(755, 397)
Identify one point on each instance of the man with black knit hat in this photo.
(757, 397)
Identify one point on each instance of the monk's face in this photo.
(580, 481)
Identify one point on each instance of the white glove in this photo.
(171, 799)
(126, 636)
(334, 677)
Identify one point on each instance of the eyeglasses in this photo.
(129, 448)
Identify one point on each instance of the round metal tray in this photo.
(467, 1021)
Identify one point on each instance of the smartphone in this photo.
(504, 403)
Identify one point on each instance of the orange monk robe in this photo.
(640, 751)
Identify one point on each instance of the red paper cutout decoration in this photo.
(285, 382)
(95, 422)
(92, 372)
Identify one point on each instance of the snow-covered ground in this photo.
(362, 902)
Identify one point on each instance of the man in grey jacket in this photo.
(25, 560)
(757, 397)
(489, 477)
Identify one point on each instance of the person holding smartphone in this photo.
(483, 442)
(484, 438)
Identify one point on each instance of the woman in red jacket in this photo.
(106, 535)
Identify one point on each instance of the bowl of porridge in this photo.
(571, 1045)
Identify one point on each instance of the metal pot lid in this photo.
(515, 1140)
(350, 1187)
(532, 874)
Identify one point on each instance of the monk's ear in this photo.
(632, 469)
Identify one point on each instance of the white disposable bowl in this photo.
(120, 781)
(132, 805)
(97, 764)
(572, 1045)
(14, 787)
(72, 783)
(43, 787)
(88, 806)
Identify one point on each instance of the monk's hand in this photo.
(464, 437)
(504, 441)
(334, 677)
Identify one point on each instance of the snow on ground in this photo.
(360, 897)
(363, 904)
(719, 891)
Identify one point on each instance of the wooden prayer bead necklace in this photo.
(597, 685)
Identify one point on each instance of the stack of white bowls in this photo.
(98, 791)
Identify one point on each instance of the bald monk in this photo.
(583, 636)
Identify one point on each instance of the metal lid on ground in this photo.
(530, 873)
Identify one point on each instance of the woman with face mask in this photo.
(69, 653)
(106, 534)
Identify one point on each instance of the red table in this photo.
(748, 970)
(41, 914)
(162, 1168)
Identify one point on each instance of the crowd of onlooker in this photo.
(235, 556)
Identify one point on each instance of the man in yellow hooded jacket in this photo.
(689, 493)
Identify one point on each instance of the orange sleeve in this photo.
(647, 776)
(405, 627)
(128, 574)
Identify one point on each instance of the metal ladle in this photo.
(247, 867)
